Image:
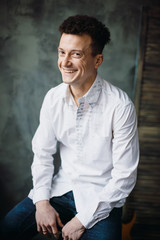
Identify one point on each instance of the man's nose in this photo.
(66, 60)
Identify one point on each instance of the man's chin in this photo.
(67, 80)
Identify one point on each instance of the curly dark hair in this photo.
(83, 24)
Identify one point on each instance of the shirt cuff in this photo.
(90, 217)
(41, 194)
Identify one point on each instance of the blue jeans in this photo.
(20, 223)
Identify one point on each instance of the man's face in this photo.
(75, 61)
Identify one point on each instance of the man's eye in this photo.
(76, 54)
(61, 52)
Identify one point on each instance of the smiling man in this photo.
(76, 62)
(95, 125)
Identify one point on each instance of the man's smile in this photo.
(69, 71)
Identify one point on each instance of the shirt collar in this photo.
(93, 93)
(91, 96)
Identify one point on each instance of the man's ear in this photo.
(99, 60)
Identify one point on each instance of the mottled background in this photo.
(28, 62)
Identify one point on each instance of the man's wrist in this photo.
(78, 222)
(42, 203)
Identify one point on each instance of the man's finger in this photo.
(59, 222)
(44, 230)
(56, 235)
(49, 229)
(39, 228)
(55, 232)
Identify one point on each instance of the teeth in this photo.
(69, 71)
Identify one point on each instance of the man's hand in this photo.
(73, 230)
(47, 219)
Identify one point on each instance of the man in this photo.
(95, 124)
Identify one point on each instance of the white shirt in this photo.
(98, 148)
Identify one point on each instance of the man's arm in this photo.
(125, 157)
(44, 146)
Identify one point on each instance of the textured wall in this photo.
(28, 61)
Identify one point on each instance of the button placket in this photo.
(79, 129)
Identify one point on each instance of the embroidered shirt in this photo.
(98, 148)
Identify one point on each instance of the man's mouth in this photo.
(69, 71)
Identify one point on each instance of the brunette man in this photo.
(95, 124)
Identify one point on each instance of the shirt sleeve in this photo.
(125, 157)
(44, 146)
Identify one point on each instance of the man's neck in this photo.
(79, 91)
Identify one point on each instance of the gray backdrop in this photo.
(28, 61)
